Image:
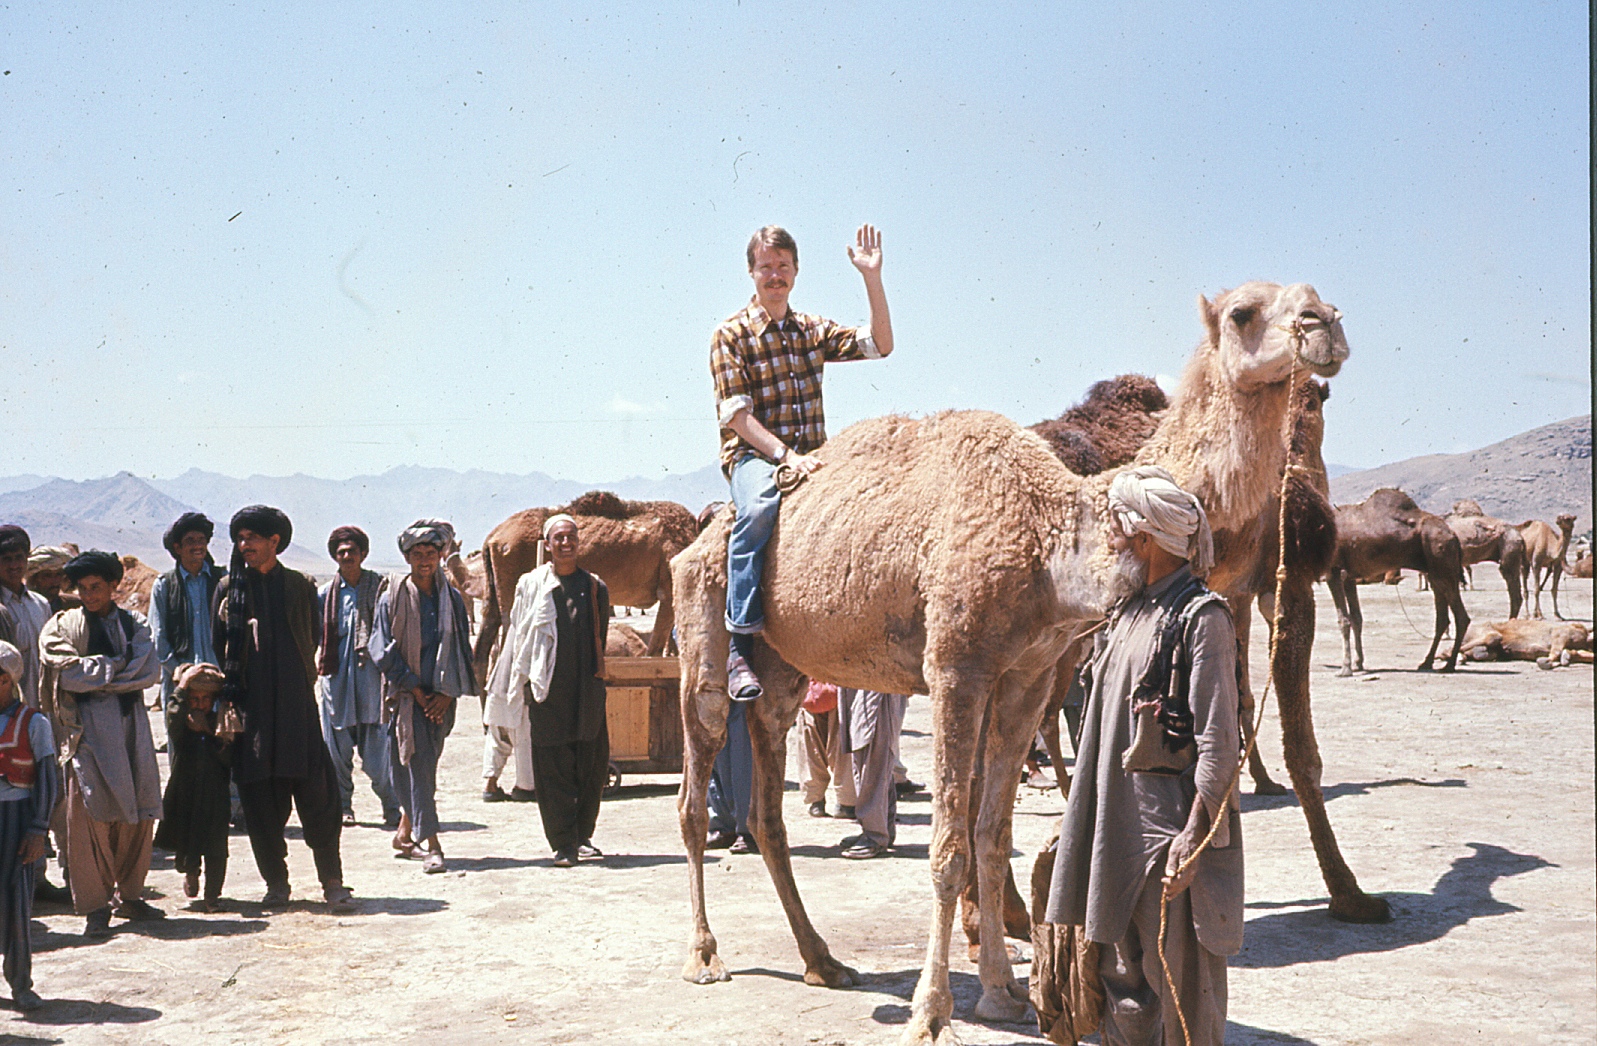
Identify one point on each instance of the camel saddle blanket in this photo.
(17, 764)
(1065, 988)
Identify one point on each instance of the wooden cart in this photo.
(643, 710)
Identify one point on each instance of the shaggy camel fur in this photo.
(1387, 531)
(628, 543)
(1484, 538)
(1107, 428)
(133, 591)
(1549, 645)
(956, 556)
(1544, 556)
(1582, 567)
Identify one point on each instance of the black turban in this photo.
(101, 564)
(347, 533)
(195, 522)
(263, 520)
(14, 539)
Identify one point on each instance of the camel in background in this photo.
(628, 543)
(1544, 556)
(1483, 538)
(1548, 644)
(1388, 531)
(133, 591)
(955, 556)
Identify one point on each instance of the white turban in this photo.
(428, 532)
(48, 557)
(1147, 499)
(11, 662)
(558, 517)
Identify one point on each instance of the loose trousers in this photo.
(825, 762)
(732, 777)
(500, 743)
(105, 859)
(371, 741)
(267, 804)
(416, 784)
(571, 779)
(1137, 1010)
(877, 805)
(16, 894)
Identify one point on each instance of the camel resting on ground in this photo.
(1482, 538)
(1544, 556)
(1549, 644)
(628, 543)
(955, 556)
(1387, 531)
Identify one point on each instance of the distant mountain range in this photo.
(127, 514)
(1535, 475)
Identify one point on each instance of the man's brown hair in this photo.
(775, 237)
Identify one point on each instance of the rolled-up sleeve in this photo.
(1212, 641)
(845, 344)
(731, 375)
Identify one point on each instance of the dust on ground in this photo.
(1465, 799)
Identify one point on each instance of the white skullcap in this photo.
(1147, 499)
(558, 517)
(11, 662)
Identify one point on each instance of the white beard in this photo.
(1130, 577)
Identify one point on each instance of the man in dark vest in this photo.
(180, 602)
(268, 629)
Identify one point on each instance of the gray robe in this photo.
(1118, 826)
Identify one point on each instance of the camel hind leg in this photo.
(955, 696)
(704, 710)
(1345, 594)
(769, 719)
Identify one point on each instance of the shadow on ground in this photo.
(1464, 892)
(1251, 802)
(83, 1011)
(169, 929)
(639, 791)
(487, 864)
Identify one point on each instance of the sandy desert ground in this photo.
(1465, 799)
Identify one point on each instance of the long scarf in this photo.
(180, 613)
(236, 611)
(451, 667)
(367, 589)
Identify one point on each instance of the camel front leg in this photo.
(1003, 998)
(1242, 615)
(704, 709)
(958, 699)
(664, 619)
(1341, 584)
(769, 720)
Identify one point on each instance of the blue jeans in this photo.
(732, 778)
(757, 500)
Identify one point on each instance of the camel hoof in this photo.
(1269, 787)
(1005, 1005)
(1346, 673)
(928, 1031)
(701, 970)
(1544, 663)
(1425, 666)
(1360, 908)
(829, 973)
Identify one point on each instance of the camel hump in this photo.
(1467, 507)
(605, 505)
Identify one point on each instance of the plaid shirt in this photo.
(773, 370)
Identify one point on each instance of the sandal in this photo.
(191, 883)
(406, 849)
(433, 864)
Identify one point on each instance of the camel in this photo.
(1108, 426)
(628, 543)
(1544, 556)
(133, 591)
(1387, 531)
(1582, 567)
(955, 556)
(1484, 538)
(1549, 645)
(467, 574)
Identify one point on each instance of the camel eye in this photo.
(1243, 316)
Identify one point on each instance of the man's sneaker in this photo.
(908, 787)
(524, 795)
(720, 840)
(566, 858)
(349, 819)
(26, 999)
(741, 682)
(495, 795)
(139, 910)
(588, 852)
(818, 808)
(846, 813)
(276, 895)
(98, 923)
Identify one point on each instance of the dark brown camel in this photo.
(1486, 539)
(628, 543)
(1387, 531)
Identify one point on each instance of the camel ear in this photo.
(1211, 319)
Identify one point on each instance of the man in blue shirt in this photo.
(351, 684)
(180, 602)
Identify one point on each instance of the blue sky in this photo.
(333, 239)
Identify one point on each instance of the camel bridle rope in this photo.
(1288, 469)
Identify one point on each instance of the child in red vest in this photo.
(29, 788)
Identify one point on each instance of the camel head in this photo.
(1256, 330)
(1566, 523)
(1467, 507)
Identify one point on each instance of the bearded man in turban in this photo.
(268, 629)
(1156, 768)
(45, 574)
(422, 643)
(351, 684)
(97, 660)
